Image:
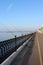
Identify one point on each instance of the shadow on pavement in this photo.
(23, 57)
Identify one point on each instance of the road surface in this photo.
(32, 54)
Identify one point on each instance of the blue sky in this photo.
(21, 14)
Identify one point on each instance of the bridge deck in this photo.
(32, 54)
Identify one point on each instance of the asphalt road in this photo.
(32, 54)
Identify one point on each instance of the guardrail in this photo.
(14, 54)
(9, 46)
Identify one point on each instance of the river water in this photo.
(9, 35)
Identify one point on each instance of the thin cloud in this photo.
(9, 7)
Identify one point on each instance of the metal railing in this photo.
(7, 47)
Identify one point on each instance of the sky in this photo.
(20, 15)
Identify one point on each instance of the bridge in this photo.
(23, 50)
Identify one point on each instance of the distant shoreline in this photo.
(12, 31)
